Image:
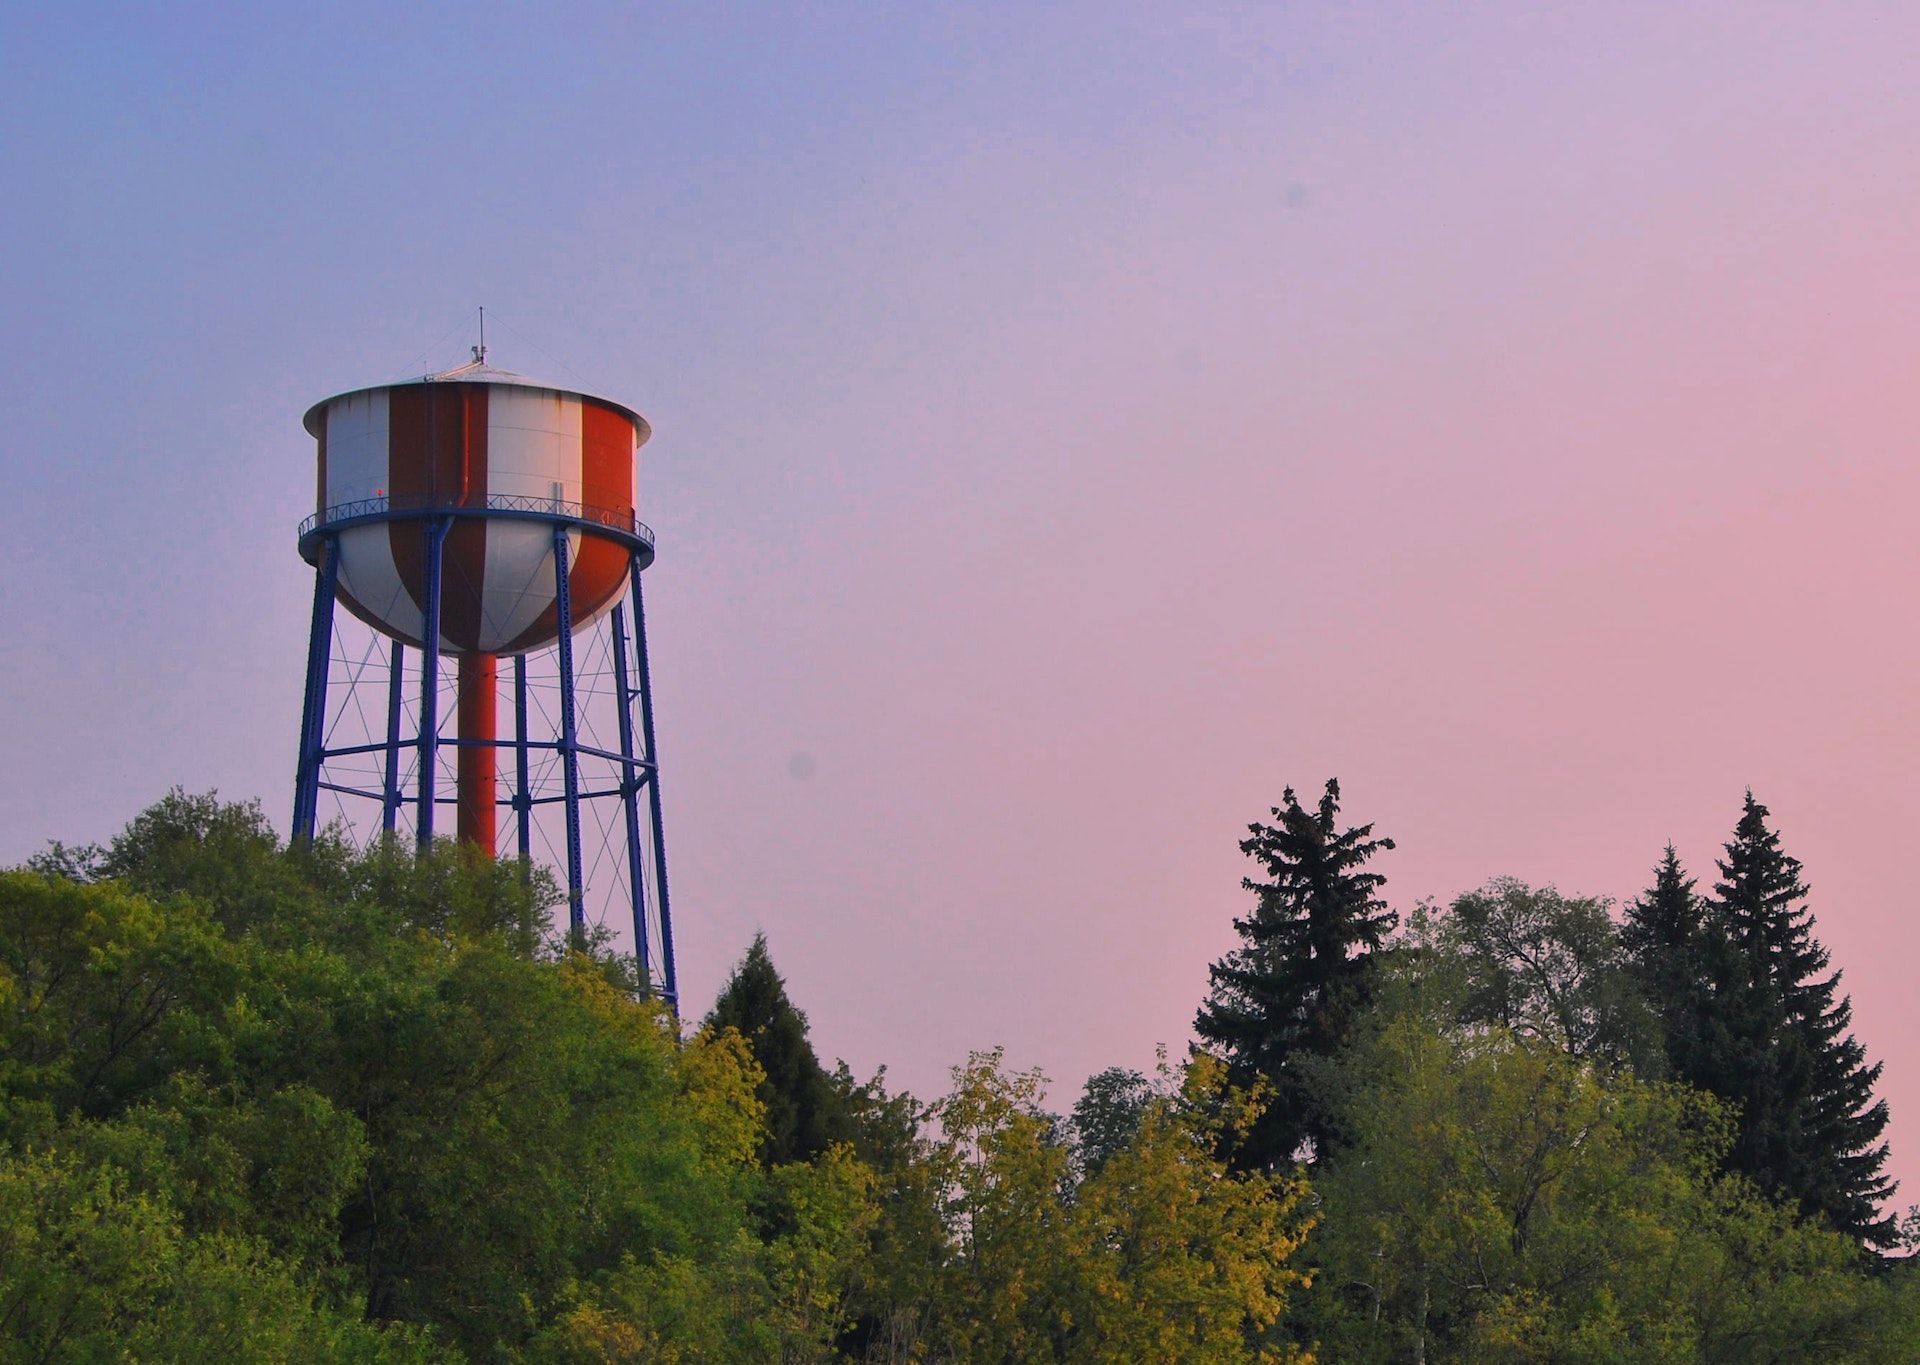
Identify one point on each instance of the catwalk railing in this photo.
(619, 521)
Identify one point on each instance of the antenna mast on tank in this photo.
(480, 351)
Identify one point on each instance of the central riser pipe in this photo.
(478, 783)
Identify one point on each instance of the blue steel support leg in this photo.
(630, 783)
(569, 751)
(390, 789)
(436, 533)
(313, 717)
(671, 987)
(522, 793)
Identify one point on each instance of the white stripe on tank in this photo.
(357, 447)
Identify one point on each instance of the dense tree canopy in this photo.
(1506, 1201)
(1108, 1113)
(1550, 967)
(260, 1103)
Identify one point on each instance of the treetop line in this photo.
(269, 1102)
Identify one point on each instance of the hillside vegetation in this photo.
(261, 1103)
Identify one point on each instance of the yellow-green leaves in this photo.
(1178, 1259)
(1505, 1201)
(1161, 1255)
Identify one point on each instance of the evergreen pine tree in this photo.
(1777, 1044)
(1667, 919)
(805, 1113)
(1282, 1005)
(1679, 960)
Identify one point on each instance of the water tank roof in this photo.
(479, 372)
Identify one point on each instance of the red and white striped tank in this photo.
(477, 438)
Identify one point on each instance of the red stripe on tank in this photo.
(606, 457)
(606, 474)
(464, 570)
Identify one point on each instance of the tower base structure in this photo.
(584, 785)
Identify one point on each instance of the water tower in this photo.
(478, 516)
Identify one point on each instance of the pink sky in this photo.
(1070, 432)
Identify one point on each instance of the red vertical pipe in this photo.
(477, 786)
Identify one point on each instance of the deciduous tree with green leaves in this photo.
(1550, 966)
(1505, 1201)
(1108, 1113)
(1176, 1257)
(1164, 1254)
(378, 1085)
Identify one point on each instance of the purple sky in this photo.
(1072, 428)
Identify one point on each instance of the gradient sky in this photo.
(1074, 423)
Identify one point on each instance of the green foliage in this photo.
(1809, 1125)
(1107, 1115)
(225, 856)
(1753, 1015)
(1515, 1191)
(1283, 1005)
(377, 1086)
(1504, 1200)
(91, 1269)
(276, 1167)
(1163, 1255)
(267, 1104)
(1682, 968)
(1551, 967)
(101, 988)
(719, 1292)
(804, 1113)
(985, 1246)
(1177, 1258)
(1003, 1177)
(893, 1299)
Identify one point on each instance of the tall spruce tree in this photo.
(1809, 1126)
(1753, 1015)
(805, 1113)
(1282, 1005)
(1683, 963)
(1667, 919)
